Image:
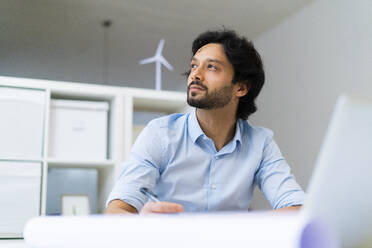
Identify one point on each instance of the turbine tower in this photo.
(158, 59)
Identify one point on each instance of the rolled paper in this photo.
(179, 230)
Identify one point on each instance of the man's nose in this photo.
(197, 74)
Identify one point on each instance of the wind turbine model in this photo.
(158, 59)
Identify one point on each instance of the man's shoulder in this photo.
(256, 132)
(171, 121)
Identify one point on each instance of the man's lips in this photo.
(195, 88)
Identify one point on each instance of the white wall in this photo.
(64, 41)
(310, 58)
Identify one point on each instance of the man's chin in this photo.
(192, 102)
(195, 102)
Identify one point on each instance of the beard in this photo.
(218, 98)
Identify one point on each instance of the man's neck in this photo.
(218, 124)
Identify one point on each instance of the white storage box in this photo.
(19, 196)
(78, 130)
(22, 123)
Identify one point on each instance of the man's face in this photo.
(209, 84)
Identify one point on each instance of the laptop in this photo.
(340, 190)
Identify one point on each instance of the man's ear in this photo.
(242, 88)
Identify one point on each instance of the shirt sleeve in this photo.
(275, 180)
(141, 170)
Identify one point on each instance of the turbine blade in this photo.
(160, 47)
(166, 63)
(148, 60)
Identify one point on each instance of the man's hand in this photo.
(120, 207)
(291, 208)
(161, 207)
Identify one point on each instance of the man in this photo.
(209, 159)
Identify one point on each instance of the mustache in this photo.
(198, 83)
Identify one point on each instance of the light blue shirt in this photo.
(175, 159)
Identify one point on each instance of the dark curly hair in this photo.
(246, 61)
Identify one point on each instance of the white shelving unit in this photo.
(123, 101)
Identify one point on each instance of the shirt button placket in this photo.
(215, 158)
(212, 186)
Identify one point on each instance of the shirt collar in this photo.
(195, 130)
(238, 133)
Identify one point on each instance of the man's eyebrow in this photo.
(216, 61)
(209, 60)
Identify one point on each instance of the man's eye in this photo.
(193, 66)
(210, 66)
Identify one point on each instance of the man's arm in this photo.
(275, 180)
(140, 170)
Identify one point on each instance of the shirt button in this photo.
(214, 186)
